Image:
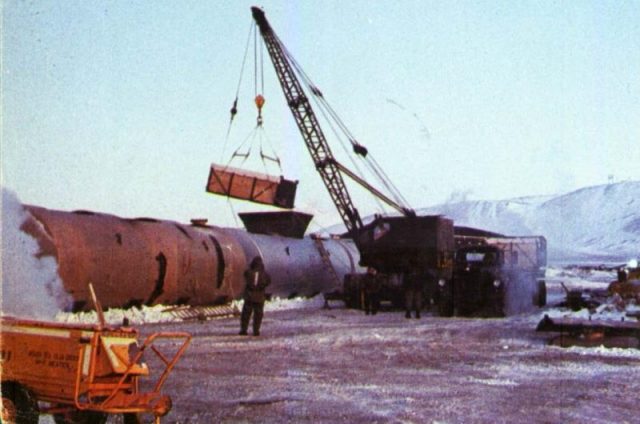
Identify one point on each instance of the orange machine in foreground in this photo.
(81, 372)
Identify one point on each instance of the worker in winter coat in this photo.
(257, 280)
(371, 291)
(413, 284)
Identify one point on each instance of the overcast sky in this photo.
(121, 106)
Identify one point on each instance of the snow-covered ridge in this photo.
(600, 223)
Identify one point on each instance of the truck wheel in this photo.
(18, 405)
(496, 309)
(397, 301)
(542, 294)
(353, 296)
(355, 299)
(81, 417)
(348, 299)
(445, 307)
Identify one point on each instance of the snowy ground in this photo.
(339, 365)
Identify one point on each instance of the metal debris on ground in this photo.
(588, 333)
(578, 298)
(202, 313)
(627, 285)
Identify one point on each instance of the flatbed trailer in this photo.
(81, 373)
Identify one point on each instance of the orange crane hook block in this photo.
(259, 102)
(252, 186)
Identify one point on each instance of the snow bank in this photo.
(161, 313)
(31, 287)
(144, 315)
(605, 312)
(277, 304)
(604, 351)
(580, 278)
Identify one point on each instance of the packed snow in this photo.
(338, 365)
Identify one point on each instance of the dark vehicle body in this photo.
(390, 243)
(495, 276)
(486, 275)
(394, 244)
(477, 285)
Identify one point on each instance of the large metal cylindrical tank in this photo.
(141, 261)
(147, 261)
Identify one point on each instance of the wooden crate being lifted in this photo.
(252, 186)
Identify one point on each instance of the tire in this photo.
(397, 300)
(19, 405)
(496, 309)
(542, 294)
(352, 294)
(81, 417)
(131, 418)
(349, 301)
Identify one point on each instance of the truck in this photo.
(494, 276)
(80, 373)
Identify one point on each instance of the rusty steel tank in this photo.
(145, 261)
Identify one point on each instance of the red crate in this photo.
(252, 186)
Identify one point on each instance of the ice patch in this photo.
(493, 381)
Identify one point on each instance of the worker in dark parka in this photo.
(413, 283)
(257, 280)
(371, 288)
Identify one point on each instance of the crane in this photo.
(389, 243)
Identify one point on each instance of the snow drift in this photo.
(31, 287)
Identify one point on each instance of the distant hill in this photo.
(592, 224)
(600, 223)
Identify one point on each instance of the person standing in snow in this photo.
(257, 280)
(371, 289)
(413, 284)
